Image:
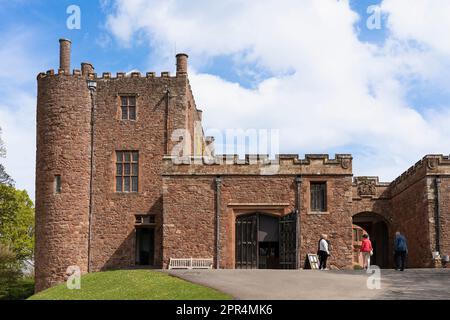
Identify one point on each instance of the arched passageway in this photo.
(378, 230)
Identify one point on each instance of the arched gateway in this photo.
(377, 227)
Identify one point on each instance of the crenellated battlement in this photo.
(429, 165)
(87, 69)
(234, 159)
(108, 75)
(312, 164)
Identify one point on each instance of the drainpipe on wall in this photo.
(437, 222)
(218, 200)
(166, 120)
(92, 85)
(298, 185)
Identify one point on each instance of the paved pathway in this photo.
(313, 284)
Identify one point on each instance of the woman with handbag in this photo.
(366, 250)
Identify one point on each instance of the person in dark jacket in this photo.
(400, 251)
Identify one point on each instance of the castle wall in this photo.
(376, 201)
(336, 223)
(189, 206)
(114, 213)
(414, 208)
(64, 236)
(372, 209)
(445, 215)
(181, 195)
(189, 219)
(411, 218)
(63, 148)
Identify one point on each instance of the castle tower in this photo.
(64, 55)
(182, 63)
(62, 171)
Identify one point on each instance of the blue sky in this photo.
(315, 72)
(92, 42)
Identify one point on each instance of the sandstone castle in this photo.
(109, 194)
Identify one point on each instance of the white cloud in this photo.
(327, 89)
(19, 66)
(339, 92)
(19, 135)
(424, 21)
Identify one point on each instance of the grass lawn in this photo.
(131, 285)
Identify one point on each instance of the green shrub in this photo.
(17, 222)
(9, 271)
(21, 290)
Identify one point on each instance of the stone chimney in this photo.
(64, 55)
(182, 64)
(86, 68)
(200, 114)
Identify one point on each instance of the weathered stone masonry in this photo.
(90, 225)
(64, 135)
(189, 204)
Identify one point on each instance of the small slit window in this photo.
(58, 184)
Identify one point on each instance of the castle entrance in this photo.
(377, 228)
(145, 243)
(266, 242)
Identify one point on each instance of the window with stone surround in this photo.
(318, 196)
(128, 107)
(127, 171)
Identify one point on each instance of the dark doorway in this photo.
(268, 242)
(145, 244)
(268, 255)
(265, 242)
(376, 227)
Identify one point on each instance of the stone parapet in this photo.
(106, 75)
(430, 165)
(284, 164)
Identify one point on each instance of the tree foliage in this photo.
(16, 235)
(2, 146)
(9, 271)
(4, 177)
(16, 221)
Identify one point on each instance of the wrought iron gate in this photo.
(288, 241)
(247, 242)
(247, 246)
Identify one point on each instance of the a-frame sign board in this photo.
(313, 261)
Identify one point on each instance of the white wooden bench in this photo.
(190, 263)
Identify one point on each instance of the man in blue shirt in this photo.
(400, 251)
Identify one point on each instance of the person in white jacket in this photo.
(323, 252)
